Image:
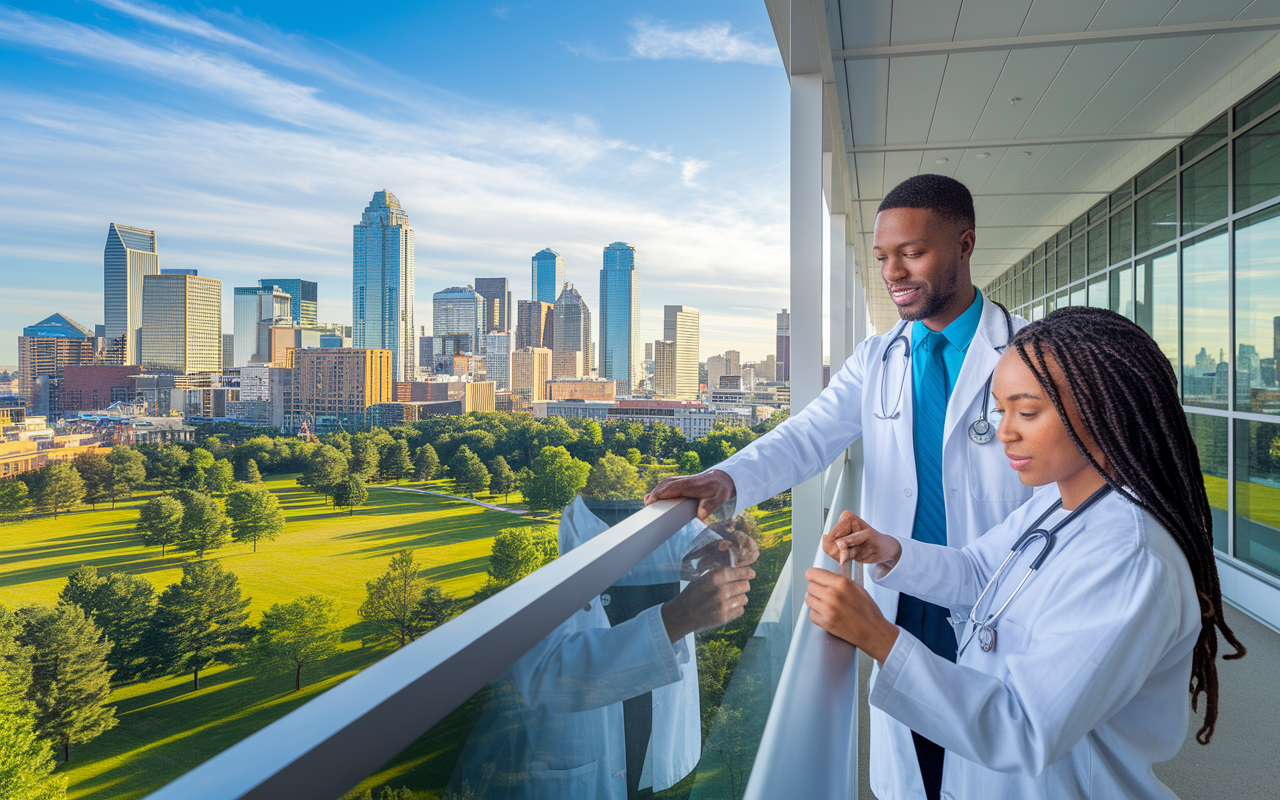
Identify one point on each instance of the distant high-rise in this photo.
(535, 324)
(664, 368)
(44, 349)
(228, 351)
(680, 325)
(530, 371)
(572, 355)
(620, 316)
(181, 323)
(258, 309)
(497, 359)
(732, 362)
(548, 275)
(497, 303)
(302, 298)
(782, 370)
(459, 310)
(717, 367)
(129, 255)
(382, 283)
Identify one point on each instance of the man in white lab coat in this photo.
(919, 398)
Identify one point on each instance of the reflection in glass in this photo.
(1100, 292)
(1121, 237)
(1037, 311)
(1079, 295)
(1204, 191)
(1210, 434)
(1122, 290)
(1258, 311)
(1258, 164)
(1157, 302)
(1156, 216)
(1258, 494)
(1097, 248)
(1206, 356)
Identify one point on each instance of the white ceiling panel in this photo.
(900, 166)
(1012, 170)
(1144, 70)
(1027, 74)
(1130, 14)
(1093, 161)
(985, 19)
(974, 170)
(868, 99)
(1187, 12)
(865, 22)
(1087, 70)
(967, 84)
(1051, 166)
(870, 169)
(924, 20)
(1057, 16)
(929, 163)
(913, 95)
(1261, 9)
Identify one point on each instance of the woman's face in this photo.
(1034, 438)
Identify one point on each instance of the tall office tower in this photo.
(782, 368)
(717, 366)
(664, 368)
(302, 294)
(572, 355)
(497, 359)
(181, 323)
(535, 324)
(228, 351)
(459, 310)
(548, 275)
(257, 310)
(768, 369)
(620, 316)
(732, 362)
(497, 296)
(680, 325)
(530, 371)
(44, 349)
(382, 283)
(336, 386)
(129, 255)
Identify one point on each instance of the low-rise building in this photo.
(691, 418)
(581, 389)
(589, 409)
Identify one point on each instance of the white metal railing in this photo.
(333, 742)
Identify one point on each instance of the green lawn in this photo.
(165, 729)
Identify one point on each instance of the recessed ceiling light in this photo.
(982, 155)
(940, 160)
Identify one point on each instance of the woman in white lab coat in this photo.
(1074, 684)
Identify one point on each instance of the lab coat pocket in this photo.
(991, 479)
(563, 784)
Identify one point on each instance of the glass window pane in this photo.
(1204, 191)
(1037, 311)
(1257, 495)
(1205, 349)
(1121, 235)
(1156, 217)
(1258, 164)
(1079, 259)
(1079, 224)
(1097, 249)
(1121, 196)
(1063, 300)
(1153, 174)
(1037, 279)
(1208, 136)
(1064, 267)
(1258, 103)
(1210, 434)
(1098, 211)
(1156, 311)
(1258, 311)
(1100, 292)
(1078, 295)
(1122, 290)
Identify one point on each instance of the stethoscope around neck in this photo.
(981, 430)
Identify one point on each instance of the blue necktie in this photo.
(931, 413)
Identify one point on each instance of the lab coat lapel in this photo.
(979, 361)
(903, 430)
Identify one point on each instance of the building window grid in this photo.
(1013, 287)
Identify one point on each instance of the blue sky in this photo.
(251, 137)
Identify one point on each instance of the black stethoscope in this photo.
(981, 430)
(985, 629)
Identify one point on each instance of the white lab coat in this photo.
(1086, 687)
(552, 727)
(980, 489)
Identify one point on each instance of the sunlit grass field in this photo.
(166, 729)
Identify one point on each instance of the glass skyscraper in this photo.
(497, 304)
(620, 356)
(382, 283)
(459, 311)
(181, 323)
(548, 275)
(303, 298)
(129, 255)
(257, 309)
(571, 356)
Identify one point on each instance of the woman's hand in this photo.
(843, 608)
(851, 538)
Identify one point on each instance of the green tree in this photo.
(251, 473)
(426, 463)
(633, 455)
(690, 464)
(295, 634)
(121, 606)
(364, 458)
(70, 681)
(194, 473)
(513, 556)
(165, 465)
(205, 525)
(717, 659)
(255, 514)
(324, 470)
(469, 473)
(349, 494)
(219, 477)
(501, 479)
(394, 460)
(553, 480)
(197, 621)
(14, 502)
(613, 478)
(26, 760)
(160, 522)
(391, 601)
(128, 469)
(96, 474)
(58, 486)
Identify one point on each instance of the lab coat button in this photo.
(906, 492)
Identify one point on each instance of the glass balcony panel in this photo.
(1210, 434)
(1206, 350)
(1257, 494)
(1257, 270)
(1204, 192)
(1100, 292)
(1122, 290)
(1257, 164)
(1121, 224)
(1079, 259)
(1156, 217)
(1156, 307)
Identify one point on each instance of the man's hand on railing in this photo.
(851, 538)
(717, 597)
(844, 609)
(712, 489)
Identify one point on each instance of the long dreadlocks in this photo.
(1127, 396)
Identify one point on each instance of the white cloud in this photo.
(689, 169)
(710, 41)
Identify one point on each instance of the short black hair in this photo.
(946, 197)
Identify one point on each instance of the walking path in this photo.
(489, 506)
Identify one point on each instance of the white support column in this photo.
(806, 302)
(838, 311)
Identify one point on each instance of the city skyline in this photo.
(383, 283)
